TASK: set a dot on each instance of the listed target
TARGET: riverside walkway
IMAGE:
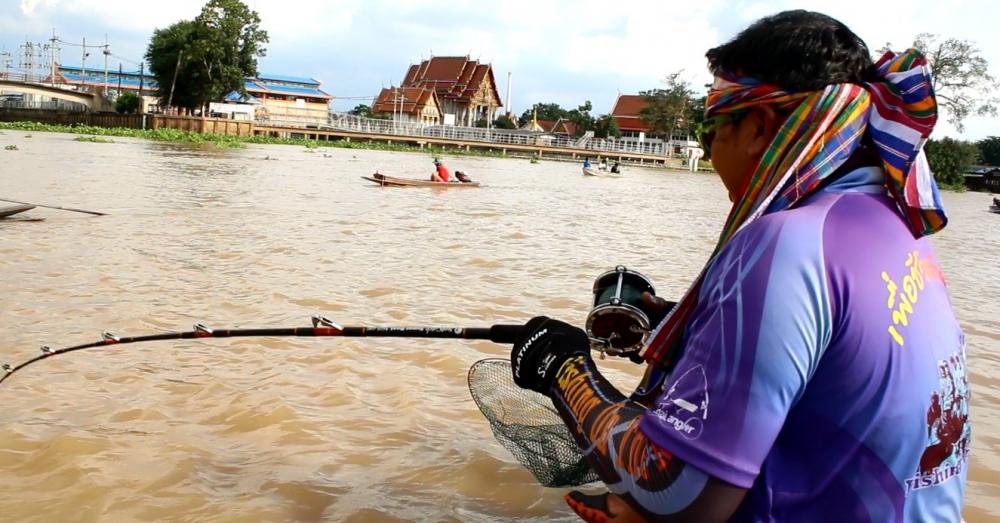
(504, 141)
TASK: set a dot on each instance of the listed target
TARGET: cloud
(558, 50)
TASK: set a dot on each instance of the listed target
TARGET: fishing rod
(95, 213)
(322, 327)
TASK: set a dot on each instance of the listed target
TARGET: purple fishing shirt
(824, 369)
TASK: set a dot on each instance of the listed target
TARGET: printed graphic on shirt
(948, 431)
(902, 299)
(685, 406)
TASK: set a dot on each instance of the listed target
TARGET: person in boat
(615, 168)
(586, 163)
(797, 380)
(462, 177)
(440, 173)
(603, 165)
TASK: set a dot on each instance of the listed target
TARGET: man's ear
(762, 124)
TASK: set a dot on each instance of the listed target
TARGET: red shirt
(443, 173)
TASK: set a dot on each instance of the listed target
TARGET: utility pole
(106, 53)
(173, 81)
(29, 61)
(5, 57)
(54, 49)
(83, 66)
(119, 78)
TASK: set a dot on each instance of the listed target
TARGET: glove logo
(524, 349)
(543, 366)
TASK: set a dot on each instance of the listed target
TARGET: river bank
(226, 141)
(239, 142)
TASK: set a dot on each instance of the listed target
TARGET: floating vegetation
(225, 141)
(93, 139)
(10, 147)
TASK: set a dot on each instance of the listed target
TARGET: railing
(499, 137)
(53, 105)
(24, 77)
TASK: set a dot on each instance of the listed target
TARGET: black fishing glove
(543, 345)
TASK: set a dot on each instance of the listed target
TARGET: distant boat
(590, 171)
(11, 210)
(390, 181)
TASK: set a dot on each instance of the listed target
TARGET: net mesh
(528, 426)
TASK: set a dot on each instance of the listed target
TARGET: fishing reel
(616, 324)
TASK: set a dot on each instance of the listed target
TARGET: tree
(549, 111)
(665, 108)
(165, 57)
(582, 118)
(127, 103)
(211, 55)
(989, 150)
(694, 114)
(962, 81)
(504, 122)
(950, 159)
(361, 110)
(606, 126)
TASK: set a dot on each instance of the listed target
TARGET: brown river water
(302, 429)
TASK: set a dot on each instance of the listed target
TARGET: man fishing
(816, 368)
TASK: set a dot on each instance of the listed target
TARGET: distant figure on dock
(694, 154)
(441, 173)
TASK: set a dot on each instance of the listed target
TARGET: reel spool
(617, 325)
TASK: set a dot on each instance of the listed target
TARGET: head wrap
(897, 113)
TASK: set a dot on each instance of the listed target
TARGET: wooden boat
(390, 181)
(11, 210)
(590, 171)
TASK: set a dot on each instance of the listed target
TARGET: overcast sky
(558, 51)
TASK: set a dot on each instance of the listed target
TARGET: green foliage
(582, 118)
(225, 141)
(950, 159)
(606, 126)
(503, 122)
(127, 103)
(550, 111)
(166, 55)
(361, 110)
(989, 150)
(10, 147)
(665, 109)
(93, 139)
(211, 55)
(694, 114)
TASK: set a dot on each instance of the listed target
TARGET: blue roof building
(281, 98)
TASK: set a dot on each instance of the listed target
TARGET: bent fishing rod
(322, 327)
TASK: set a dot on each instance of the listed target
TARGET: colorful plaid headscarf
(898, 113)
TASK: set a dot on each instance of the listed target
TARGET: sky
(557, 51)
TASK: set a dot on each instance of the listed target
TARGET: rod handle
(497, 334)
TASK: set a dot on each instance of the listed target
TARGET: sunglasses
(705, 133)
